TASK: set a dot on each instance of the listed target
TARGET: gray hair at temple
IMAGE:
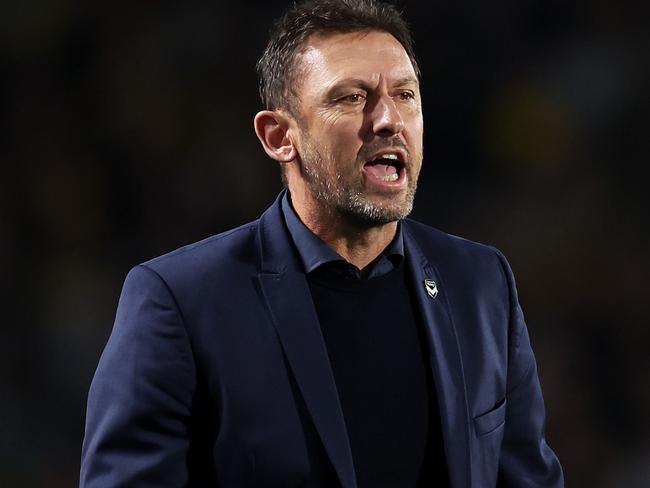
(277, 67)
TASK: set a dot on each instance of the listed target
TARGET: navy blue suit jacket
(216, 373)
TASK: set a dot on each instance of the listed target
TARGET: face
(360, 126)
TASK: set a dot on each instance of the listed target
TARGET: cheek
(330, 119)
(414, 118)
(345, 139)
(334, 127)
(416, 129)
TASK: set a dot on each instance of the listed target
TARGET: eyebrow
(346, 82)
(406, 81)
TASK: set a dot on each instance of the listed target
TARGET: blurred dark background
(126, 131)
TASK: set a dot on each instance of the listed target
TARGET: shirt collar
(314, 252)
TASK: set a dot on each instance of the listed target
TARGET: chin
(371, 213)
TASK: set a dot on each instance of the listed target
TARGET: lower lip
(393, 184)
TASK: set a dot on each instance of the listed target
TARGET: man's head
(340, 84)
(277, 68)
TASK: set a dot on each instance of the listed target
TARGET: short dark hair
(276, 67)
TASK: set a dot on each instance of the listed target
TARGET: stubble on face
(343, 194)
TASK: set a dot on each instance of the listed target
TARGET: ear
(272, 129)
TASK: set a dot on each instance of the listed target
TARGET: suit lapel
(445, 361)
(287, 295)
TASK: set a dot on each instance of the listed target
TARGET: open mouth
(386, 168)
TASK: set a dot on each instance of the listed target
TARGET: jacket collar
(277, 253)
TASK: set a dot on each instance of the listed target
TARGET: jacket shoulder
(233, 248)
(465, 264)
(440, 244)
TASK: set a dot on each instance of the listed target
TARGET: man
(332, 342)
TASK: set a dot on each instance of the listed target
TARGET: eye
(353, 98)
(406, 95)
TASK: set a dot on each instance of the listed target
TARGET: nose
(386, 118)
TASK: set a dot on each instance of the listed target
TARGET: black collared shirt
(316, 254)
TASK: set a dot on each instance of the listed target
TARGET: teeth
(388, 156)
(392, 177)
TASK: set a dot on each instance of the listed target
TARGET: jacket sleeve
(526, 460)
(139, 404)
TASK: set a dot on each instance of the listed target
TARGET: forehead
(369, 55)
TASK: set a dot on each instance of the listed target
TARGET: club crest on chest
(431, 288)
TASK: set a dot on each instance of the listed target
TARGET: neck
(358, 244)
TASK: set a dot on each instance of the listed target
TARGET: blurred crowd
(126, 131)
